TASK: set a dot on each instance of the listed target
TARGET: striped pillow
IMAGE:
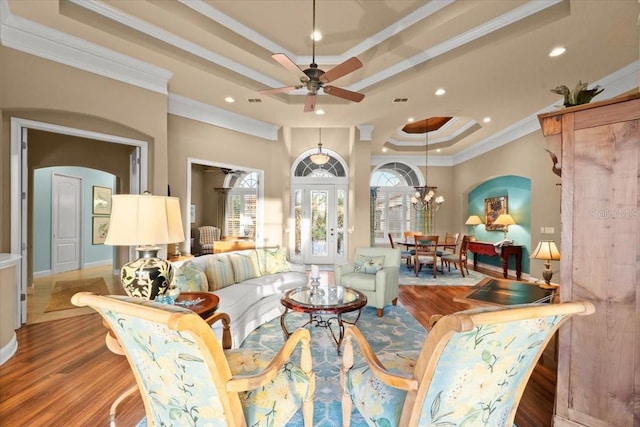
(219, 272)
(244, 267)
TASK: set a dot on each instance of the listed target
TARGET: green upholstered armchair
(375, 272)
(472, 369)
(186, 378)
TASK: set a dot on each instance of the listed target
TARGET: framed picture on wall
(99, 229)
(494, 207)
(101, 200)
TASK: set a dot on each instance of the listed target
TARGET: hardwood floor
(63, 374)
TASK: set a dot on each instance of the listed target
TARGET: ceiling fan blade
(287, 63)
(279, 90)
(344, 93)
(340, 70)
(310, 103)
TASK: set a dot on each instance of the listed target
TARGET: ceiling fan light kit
(314, 78)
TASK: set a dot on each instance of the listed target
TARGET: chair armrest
(226, 331)
(249, 382)
(341, 270)
(392, 379)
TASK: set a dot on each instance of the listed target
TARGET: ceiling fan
(314, 78)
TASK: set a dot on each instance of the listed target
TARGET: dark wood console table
(488, 248)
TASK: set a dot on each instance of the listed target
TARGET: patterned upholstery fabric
(176, 376)
(275, 261)
(368, 264)
(219, 272)
(208, 235)
(475, 380)
(190, 278)
(244, 267)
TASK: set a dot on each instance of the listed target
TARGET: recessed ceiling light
(438, 150)
(486, 119)
(316, 35)
(229, 99)
(384, 149)
(410, 119)
(320, 112)
(440, 92)
(557, 51)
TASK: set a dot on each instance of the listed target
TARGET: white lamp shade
(138, 219)
(504, 219)
(546, 250)
(473, 220)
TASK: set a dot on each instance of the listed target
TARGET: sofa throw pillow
(368, 264)
(244, 267)
(190, 278)
(275, 261)
(219, 272)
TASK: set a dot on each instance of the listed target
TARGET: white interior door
(321, 225)
(66, 216)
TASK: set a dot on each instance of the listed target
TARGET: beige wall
(42, 90)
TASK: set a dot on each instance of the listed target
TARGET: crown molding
(195, 110)
(38, 40)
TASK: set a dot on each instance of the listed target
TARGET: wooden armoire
(595, 149)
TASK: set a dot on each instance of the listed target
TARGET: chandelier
(319, 158)
(425, 201)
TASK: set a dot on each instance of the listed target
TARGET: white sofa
(249, 283)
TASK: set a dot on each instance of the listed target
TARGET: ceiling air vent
(398, 100)
(254, 100)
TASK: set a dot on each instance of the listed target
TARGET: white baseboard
(9, 349)
(42, 273)
(100, 263)
(498, 270)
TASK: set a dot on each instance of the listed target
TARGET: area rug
(63, 290)
(396, 331)
(447, 278)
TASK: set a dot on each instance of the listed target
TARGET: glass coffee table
(320, 300)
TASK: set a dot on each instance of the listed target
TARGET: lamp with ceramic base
(145, 221)
(505, 221)
(547, 251)
(473, 220)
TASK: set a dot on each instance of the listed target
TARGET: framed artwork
(101, 200)
(494, 207)
(99, 229)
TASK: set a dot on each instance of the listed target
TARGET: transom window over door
(318, 211)
(393, 185)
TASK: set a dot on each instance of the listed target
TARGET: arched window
(394, 184)
(241, 205)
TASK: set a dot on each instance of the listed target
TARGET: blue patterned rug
(448, 278)
(397, 330)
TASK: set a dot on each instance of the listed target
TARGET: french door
(319, 233)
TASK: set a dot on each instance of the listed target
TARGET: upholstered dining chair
(186, 378)
(472, 369)
(375, 272)
(457, 259)
(404, 254)
(449, 245)
(426, 253)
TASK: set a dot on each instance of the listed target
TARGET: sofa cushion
(219, 272)
(360, 281)
(368, 264)
(244, 267)
(279, 282)
(237, 299)
(190, 278)
(275, 261)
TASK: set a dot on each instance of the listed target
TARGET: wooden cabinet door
(599, 355)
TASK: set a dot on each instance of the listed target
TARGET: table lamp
(505, 221)
(145, 221)
(546, 250)
(473, 220)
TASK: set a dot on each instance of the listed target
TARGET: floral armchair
(472, 369)
(186, 378)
